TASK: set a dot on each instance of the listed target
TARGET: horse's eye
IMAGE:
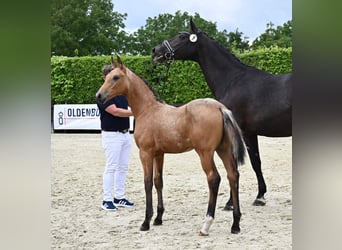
(115, 78)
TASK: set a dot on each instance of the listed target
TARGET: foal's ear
(193, 27)
(120, 63)
(119, 60)
(115, 64)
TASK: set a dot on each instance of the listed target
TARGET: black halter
(170, 53)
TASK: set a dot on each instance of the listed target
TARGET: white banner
(78, 117)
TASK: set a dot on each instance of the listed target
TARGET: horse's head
(115, 82)
(180, 47)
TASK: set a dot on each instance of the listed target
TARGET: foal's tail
(235, 136)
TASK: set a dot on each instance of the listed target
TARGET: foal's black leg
(213, 179)
(233, 178)
(148, 181)
(229, 204)
(149, 209)
(213, 183)
(158, 183)
(234, 185)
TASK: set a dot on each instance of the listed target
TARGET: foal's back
(168, 129)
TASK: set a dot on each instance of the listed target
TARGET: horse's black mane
(225, 49)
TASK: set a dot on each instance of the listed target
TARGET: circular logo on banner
(193, 38)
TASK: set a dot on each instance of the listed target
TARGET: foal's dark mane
(149, 86)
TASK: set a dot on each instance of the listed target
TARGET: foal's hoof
(157, 222)
(202, 234)
(259, 202)
(235, 230)
(228, 207)
(145, 227)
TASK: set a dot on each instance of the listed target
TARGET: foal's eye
(115, 78)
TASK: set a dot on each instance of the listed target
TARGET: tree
(236, 42)
(86, 27)
(280, 36)
(156, 30)
(165, 26)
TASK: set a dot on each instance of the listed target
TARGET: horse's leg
(253, 152)
(158, 183)
(233, 178)
(147, 162)
(213, 178)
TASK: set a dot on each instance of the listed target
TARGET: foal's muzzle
(101, 98)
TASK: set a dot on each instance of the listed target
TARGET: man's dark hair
(106, 69)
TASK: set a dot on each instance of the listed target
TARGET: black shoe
(108, 206)
(123, 203)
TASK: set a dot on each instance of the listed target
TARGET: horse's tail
(234, 133)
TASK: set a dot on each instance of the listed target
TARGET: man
(116, 141)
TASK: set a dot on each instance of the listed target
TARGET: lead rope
(164, 75)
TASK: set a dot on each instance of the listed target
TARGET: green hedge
(75, 80)
(274, 60)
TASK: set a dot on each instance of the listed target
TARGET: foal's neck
(140, 97)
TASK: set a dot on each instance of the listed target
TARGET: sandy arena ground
(77, 221)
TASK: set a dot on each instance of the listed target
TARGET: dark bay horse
(204, 125)
(261, 102)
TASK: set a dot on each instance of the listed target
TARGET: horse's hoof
(235, 230)
(259, 202)
(157, 222)
(145, 227)
(202, 234)
(228, 207)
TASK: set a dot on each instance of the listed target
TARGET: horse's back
(276, 114)
(262, 104)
